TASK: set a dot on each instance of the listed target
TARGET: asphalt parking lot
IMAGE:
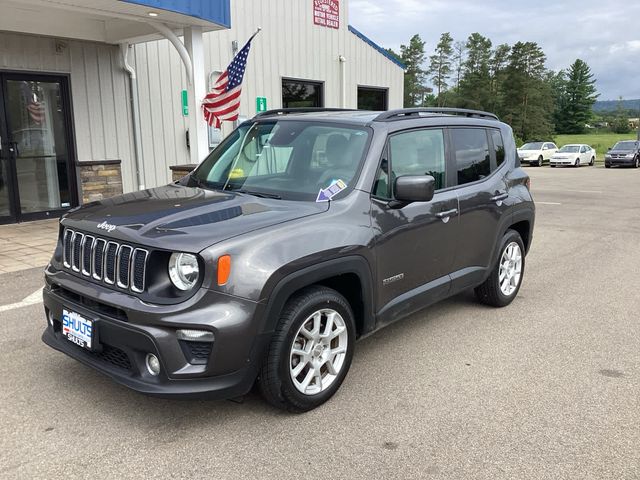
(547, 388)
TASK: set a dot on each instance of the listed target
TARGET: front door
(415, 245)
(36, 158)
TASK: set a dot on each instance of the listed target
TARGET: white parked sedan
(574, 155)
(536, 153)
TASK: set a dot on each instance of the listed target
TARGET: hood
(180, 218)
(622, 152)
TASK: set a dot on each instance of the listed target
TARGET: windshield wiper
(259, 194)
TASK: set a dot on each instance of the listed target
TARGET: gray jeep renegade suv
(302, 232)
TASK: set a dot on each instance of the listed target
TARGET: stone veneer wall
(99, 179)
(179, 171)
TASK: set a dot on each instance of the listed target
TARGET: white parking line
(548, 203)
(34, 298)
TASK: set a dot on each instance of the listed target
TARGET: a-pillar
(198, 135)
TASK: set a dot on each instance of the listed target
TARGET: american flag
(223, 102)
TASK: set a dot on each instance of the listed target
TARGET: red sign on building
(326, 13)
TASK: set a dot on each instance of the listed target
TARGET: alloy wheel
(510, 269)
(318, 351)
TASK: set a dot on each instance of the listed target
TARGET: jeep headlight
(184, 270)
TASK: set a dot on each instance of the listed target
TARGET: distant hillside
(611, 105)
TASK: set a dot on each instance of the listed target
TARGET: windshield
(285, 159)
(570, 149)
(532, 146)
(629, 145)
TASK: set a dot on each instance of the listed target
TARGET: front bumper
(619, 162)
(126, 330)
(562, 162)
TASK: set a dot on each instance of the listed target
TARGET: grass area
(600, 141)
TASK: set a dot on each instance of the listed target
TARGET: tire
(491, 292)
(607, 166)
(577, 164)
(540, 161)
(311, 307)
(552, 166)
(637, 162)
(592, 162)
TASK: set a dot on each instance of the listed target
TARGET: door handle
(447, 213)
(500, 197)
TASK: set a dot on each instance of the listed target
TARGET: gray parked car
(623, 154)
(299, 234)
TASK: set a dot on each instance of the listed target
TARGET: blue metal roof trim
(214, 11)
(366, 39)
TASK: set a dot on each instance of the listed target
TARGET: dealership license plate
(77, 329)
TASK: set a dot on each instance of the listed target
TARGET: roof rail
(287, 111)
(405, 112)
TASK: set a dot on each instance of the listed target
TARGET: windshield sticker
(328, 193)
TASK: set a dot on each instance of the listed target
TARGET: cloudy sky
(604, 33)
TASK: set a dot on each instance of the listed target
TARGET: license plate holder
(78, 329)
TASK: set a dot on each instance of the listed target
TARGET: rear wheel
(503, 284)
(592, 162)
(310, 352)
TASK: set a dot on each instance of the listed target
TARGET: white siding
(99, 93)
(290, 45)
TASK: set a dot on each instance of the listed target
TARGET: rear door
(479, 158)
(415, 245)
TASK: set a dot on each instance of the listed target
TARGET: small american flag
(223, 102)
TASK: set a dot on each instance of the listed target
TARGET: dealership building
(102, 97)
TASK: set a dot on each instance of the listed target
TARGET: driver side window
(418, 152)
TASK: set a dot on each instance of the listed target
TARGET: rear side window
(498, 145)
(471, 150)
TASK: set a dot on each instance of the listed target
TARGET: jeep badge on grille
(106, 226)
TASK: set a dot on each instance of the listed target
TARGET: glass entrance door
(36, 151)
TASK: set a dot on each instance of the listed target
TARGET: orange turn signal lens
(224, 269)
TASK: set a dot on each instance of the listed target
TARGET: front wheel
(637, 162)
(503, 284)
(310, 352)
(577, 164)
(540, 161)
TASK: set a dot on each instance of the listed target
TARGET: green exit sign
(261, 104)
(185, 104)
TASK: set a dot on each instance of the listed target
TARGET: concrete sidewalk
(27, 245)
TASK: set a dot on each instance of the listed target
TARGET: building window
(302, 94)
(372, 98)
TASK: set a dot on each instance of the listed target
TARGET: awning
(111, 21)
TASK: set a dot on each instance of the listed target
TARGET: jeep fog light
(195, 335)
(183, 270)
(153, 364)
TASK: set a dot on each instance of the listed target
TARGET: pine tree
(413, 56)
(575, 110)
(475, 85)
(497, 67)
(440, 66)
(528, 102)
(459, 53)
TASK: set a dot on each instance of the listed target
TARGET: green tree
(413, 56)
(557, 82)
(528, 101)
(459, 53)
(440, 66)
(620, 122)
(497, 67)
(575, 109)
(475, 84)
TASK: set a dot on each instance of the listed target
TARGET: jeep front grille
(113, 263)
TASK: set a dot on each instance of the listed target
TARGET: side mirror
(413, 188)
